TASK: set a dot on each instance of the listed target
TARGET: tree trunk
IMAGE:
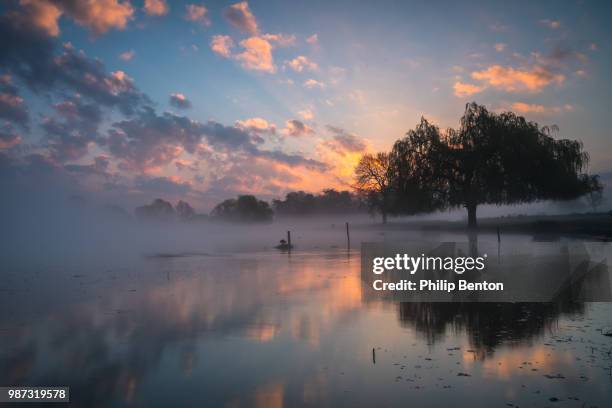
(471, 209)
(384, 217)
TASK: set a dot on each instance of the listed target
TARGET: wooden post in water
(498, 246)
(348, 236)
(373, 356)
(289, 239)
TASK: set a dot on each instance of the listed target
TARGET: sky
(125, 101)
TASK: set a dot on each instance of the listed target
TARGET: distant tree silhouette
(330, 201)
(295, 203)
(491, 159)
(159, 210)
(185, 211)
(246, 208)
(374, 178)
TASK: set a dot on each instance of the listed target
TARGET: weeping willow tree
(490, 159)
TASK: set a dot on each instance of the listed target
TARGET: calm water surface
(269, 329)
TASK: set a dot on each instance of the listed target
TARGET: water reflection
(486, 325)
(269, 330)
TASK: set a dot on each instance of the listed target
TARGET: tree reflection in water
(486, 325)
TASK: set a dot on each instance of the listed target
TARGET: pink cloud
(257, 55)
(99, 16)
(301, 63)
(179, 100)
(306, 114)
(222, 45)
(43, 15)
(515, 80)
(313, 39)
(197, 14)
(523, 107)
(259, 124)
(462, 89)
(281, 40)
(313, 83)
(156, 7)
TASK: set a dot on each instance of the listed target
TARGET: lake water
(271, 329)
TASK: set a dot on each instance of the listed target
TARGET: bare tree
(373, 178)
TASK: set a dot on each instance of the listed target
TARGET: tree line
(492, 158)
(248, 208)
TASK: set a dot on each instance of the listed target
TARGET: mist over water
(271, 329)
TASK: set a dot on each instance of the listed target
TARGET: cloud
(178, 100)
(222, 45)
(281, 40)
(256, 51)
(186, 165)
(12, 106)
(536, 108)
(98, 16)
(258, 128)
(32, 57)
(257, 55)
(149, 141)
(301, 63)
(344, 142)
(462, 89)
(552, 24)
(257, 125)
(313, 39)
(99, 167)
(559, 58)
(306, 114)
(162, 185)
(269, 175)
(197, 14)
(240, 16)
(342, 153)
(291, 159)
(500, 47)
(8, 138)
(313, 83)
(127, 55)
(515, 80)
(140, 140)
(42, 15)
(155, 7)
(297, 128)
(73, 129)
